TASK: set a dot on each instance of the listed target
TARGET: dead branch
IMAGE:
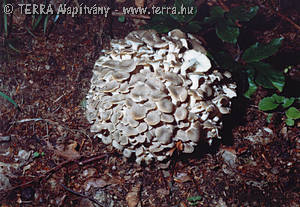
(221, 3)
(287, 19)
(81, 195)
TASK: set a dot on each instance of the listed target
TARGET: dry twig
(81, 195)
(221, 3)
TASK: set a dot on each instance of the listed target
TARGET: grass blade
(28, 30)
(46, 23)
(37, 22)
(5, 20)
(9, 99)
(13, 48)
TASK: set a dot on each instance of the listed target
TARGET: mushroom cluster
(150, 93)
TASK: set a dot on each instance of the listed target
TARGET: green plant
(193, 201)
(280, 102)
(7, 41)
(41, 18)
(227, 23)
(5, 19)
(9, 99)
(251, 64)
(121, 19)
(163, 23)
(37, 154)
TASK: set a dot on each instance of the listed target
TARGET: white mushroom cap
(138, 112)
(230, 93)
(197, 46)
(168, 118)
(153, 118)
(121, 66)
(188, 148)
(177, 34)
(123, 140)
(116, 145)
(198, 60)
(164, 134)
(165, 105)
(180, 113)
(178, 93)
(105, 139)
(193, 133)
(127, 152)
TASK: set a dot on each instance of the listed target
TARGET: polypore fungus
(151, 93)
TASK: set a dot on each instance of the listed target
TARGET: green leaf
(269, 117)
(185, 10)
(243, 14)
(252, 88)
(216, 14)
(293, 113)
(251, 83)
(288, 102)
(259, 51)
(9, 99)
(227, 32)
(216, 11)
(194, 198)
(267, 104)
(267, 77)
(278, 99)
(192, 27)
(36, 154)
(290, 122)
(121, 19)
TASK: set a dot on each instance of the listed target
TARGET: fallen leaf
(96, 183)
(102, 182)
(133, 197)
(242, 150)
(70, 152)
(182, 178)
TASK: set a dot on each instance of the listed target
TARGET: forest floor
(48, 156)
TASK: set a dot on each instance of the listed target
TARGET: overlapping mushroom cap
(150, 92)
